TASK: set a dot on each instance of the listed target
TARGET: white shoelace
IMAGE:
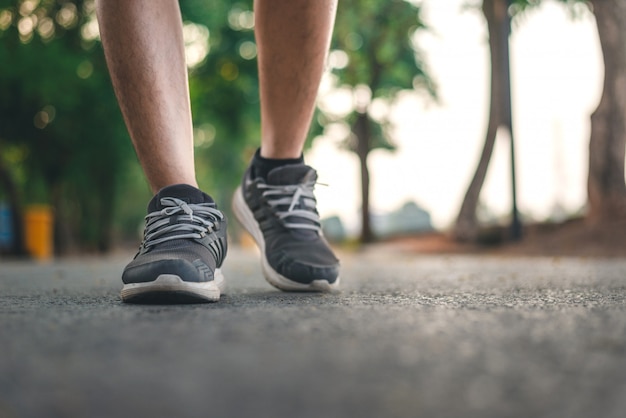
(294, 195)
(202, 219)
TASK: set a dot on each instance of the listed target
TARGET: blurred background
(440, 125)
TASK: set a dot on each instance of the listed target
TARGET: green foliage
(59, 111)
(224, 93)
(224, 96)
(61, 133)
(376, 39)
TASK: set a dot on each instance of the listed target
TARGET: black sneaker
(280, 213)
(183, 248)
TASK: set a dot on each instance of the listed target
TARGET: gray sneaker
(183, 248)
(280, 213)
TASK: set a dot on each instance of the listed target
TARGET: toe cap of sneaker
(306, 273)
(188, 271)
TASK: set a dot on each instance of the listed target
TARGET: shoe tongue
(184, 192)
(291, 174)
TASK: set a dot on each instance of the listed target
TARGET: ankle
(261, 166)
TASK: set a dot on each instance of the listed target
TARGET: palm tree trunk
(466, 227)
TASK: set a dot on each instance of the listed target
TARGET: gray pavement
(408, 336)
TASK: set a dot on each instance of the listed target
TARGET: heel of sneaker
(246, 218)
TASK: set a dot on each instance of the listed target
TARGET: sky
(556, 70)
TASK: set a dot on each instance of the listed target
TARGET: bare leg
(293, 38)
(143, 44)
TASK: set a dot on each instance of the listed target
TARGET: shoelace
(290, 194)
(202, 219)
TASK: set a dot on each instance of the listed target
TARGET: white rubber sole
(169, 288)
(245, 216)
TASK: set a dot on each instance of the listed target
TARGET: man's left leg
(275, 202)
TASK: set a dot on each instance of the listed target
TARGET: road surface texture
(409, 336)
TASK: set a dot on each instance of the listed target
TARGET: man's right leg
(144, 48)
(185, 238)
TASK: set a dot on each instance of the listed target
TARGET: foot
(280, 213)
(183, 248)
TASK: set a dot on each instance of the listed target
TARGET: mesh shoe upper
(284, 207)
(185, 235)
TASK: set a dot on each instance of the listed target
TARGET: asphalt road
(408, 336)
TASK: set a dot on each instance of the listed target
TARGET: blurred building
(409, 219)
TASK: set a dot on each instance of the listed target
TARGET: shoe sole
(246, 218)
(171, 289)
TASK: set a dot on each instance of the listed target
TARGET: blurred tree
(607, 145)
(224, 94)
(374, 56)
(60, 128)
(497, 15)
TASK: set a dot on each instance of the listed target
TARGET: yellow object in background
(38, 231)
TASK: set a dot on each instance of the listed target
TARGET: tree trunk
(361, 130)
(466, 227)
(607, 145)
(64, 241)
(105, 219)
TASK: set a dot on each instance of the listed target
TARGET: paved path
(407, 337)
